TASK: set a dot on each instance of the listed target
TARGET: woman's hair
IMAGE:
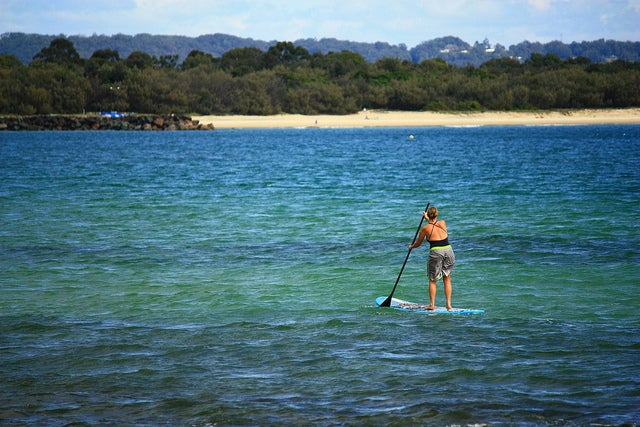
(432, 212)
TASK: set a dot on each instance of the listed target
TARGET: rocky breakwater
(99, 122)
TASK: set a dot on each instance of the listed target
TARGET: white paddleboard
(399, 304)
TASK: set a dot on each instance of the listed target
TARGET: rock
(96, 122)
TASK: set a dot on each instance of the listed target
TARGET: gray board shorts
(441, 261)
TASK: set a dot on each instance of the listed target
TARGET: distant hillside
(25, 46)
(451, 49)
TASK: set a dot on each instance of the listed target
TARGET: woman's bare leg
(447, 290)
(432, 295)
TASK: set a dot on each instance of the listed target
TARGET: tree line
(453, 50)
(288, 79)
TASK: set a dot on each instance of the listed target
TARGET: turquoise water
(230, 277)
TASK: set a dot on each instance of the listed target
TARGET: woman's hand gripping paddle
(387, 302)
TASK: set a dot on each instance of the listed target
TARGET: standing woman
(441, 257)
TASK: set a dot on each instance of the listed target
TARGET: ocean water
(229, 277)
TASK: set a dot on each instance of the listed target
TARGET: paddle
(387, 302)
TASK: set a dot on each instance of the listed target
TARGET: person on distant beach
(441, 256)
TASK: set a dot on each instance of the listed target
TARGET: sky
(506, 22)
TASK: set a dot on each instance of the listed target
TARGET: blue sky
(395, 21)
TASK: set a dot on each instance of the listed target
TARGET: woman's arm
(423, 233)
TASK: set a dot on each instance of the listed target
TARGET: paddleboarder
(441, 256)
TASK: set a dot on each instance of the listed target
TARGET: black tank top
(438, 243)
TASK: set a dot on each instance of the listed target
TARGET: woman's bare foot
(449, 308)
(429, 307)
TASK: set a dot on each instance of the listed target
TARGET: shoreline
(378, 118)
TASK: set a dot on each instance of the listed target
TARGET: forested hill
(289, 79)
(451, 49)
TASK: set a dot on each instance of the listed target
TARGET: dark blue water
(229, 277)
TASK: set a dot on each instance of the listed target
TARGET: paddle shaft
(387, 302)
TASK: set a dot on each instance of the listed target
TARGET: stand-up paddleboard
(399, 304)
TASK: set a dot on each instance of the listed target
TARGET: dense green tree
(208, 90)
(140, 96)
(197, 58)
(67, 89)
(407, 95)
(501, 66)
(13, 86)
(139, 60)
(285, 53)
(343, 64)
(106, 55)
(251, 95)
(166, 61)
(286, 78)
(242, 61)
(549, 60)
(60, 51)
(10, 61)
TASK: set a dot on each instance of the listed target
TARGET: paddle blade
(387, 302)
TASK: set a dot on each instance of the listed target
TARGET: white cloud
(540, 4)
(604, 18)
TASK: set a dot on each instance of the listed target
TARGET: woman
(441, 256)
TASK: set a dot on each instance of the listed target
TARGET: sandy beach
(374, 118)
